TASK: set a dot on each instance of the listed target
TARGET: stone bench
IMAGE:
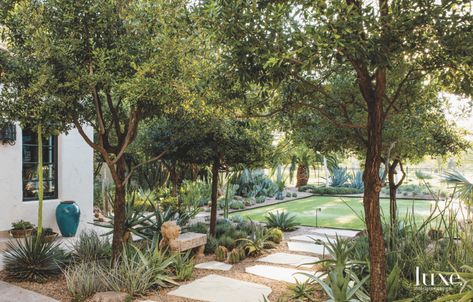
(188, 241)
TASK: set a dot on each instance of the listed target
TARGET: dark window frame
(54, 163)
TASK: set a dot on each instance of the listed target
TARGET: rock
(111, 297)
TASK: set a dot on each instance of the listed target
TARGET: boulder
(111, 297)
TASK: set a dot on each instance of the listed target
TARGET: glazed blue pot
(67, 218)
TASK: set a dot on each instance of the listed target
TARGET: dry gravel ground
(57, 289)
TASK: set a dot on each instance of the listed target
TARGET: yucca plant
(281, 220)
(33, 259)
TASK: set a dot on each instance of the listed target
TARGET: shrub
(237, 219)
(288, 194)
(226, 241)
(281, 220)
(275, 235)
(198, 227)
(249, 201)
(33, 259)
(83, 280)
(223, 226)
(183, 267)
(211, 245)
(260, 199)
(236, 205)
(329, 190)
(90, 247)
(294, 194)
(221, 253)
(22, 225)
(234, 256)
(169, 202)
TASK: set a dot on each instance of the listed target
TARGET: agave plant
(33, 259)
(339, 177)
(281, 220)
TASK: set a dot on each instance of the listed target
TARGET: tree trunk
(393, 186)
(119, 230)
(371, 201)
(302, 175)
(213, 210)
(174, 180)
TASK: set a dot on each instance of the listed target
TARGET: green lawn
(335, 211)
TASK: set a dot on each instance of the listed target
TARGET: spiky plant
(275, 235)
(221, 253)
(91, 247)
(463, 187)
(282, 220)
(303, 291)
(33, 259)
(234, 256)
(257, 242)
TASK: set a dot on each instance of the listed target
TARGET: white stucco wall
(75, 182)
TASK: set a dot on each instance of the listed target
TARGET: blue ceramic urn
(67, 218)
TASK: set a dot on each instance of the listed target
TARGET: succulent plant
(221, 253)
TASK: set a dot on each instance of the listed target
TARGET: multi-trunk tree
(294, 47)
(213, 140)
(105, 64)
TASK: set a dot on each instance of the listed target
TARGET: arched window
(30, 166)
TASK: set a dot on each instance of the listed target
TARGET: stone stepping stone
(214, 265)
(311, 238)
(306, 247)
(290, 259)
(215, 288)
(278, 273)
(11, 293)
(334, 232)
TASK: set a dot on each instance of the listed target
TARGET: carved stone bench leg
(199, 253)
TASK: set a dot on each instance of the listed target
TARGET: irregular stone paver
(214, 265)
(278, 273)
(12, 293)
(335, 232)
(306, 247)
(290, 259)
(311, 238)
(215, 288)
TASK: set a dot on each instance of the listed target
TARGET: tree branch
(132, 170)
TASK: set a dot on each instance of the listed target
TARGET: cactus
(221, 253)
(234, 256)
(242, 253)
(275, 235)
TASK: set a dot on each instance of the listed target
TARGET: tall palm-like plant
(302, 159)
(463, 187)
